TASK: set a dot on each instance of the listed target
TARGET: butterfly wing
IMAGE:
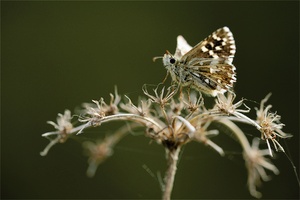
(220, 44)
(182, 47)
(207, 66)
(210, 62)
(212, 75)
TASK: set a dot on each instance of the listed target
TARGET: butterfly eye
(172, 60)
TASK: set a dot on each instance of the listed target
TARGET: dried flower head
(97, 153)
(270, 125)
(224, 104)
(256, 164)
(63, 128)
(162, 97)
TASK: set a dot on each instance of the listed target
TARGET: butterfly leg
(180, 92)
(188, 93)
(165, 78)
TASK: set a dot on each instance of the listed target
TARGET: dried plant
(173, 119)
(174, 116)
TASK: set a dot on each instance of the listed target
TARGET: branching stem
(171, 172)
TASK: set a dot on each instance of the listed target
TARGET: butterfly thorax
(177, 70)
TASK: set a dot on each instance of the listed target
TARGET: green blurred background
(56, 55)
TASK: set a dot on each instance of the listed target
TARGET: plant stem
(171, 171)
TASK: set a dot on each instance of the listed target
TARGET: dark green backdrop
(56, 55)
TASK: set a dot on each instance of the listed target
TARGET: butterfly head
(169, 59)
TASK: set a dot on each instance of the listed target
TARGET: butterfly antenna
(157, 57)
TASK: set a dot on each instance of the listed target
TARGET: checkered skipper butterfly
(207, 66)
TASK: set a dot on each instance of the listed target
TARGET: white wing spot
(211, 52)
(226, 29)
(214, 36)
(229, 34)
(218, 48)
(204, 49)
(232, 51)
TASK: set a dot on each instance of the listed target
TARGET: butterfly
(207, 67)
